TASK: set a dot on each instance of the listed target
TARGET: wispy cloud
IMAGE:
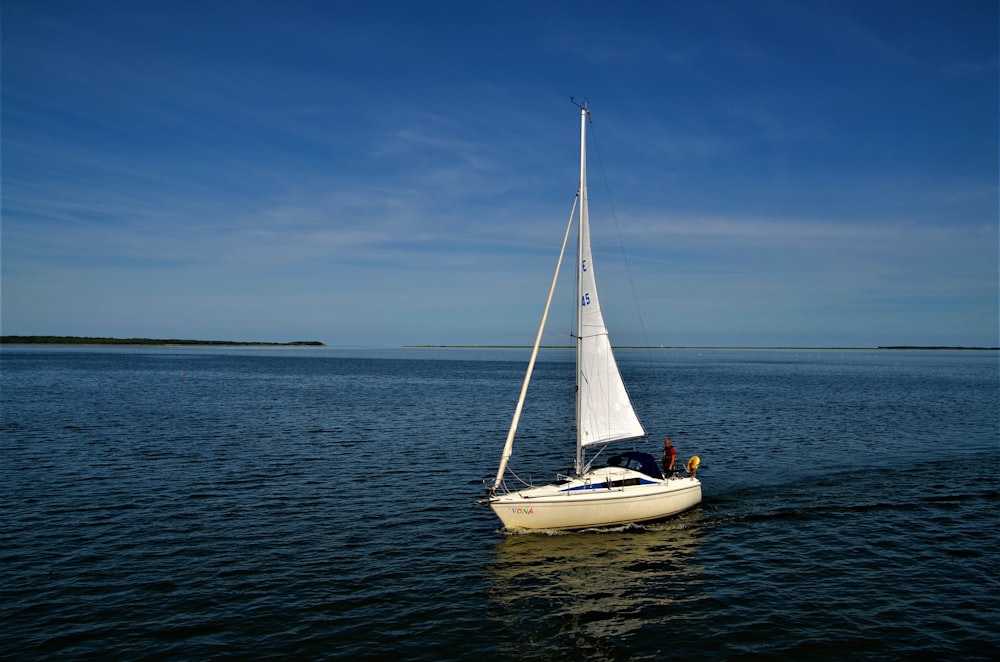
(334, 170)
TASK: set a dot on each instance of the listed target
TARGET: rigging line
(621, 242)
(509, 443)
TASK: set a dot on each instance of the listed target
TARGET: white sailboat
(630, 488)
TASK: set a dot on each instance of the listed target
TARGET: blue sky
(387, 173)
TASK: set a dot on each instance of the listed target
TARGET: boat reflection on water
(592, 592)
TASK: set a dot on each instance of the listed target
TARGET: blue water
(188, 503)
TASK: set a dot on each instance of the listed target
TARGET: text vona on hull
(522, 511)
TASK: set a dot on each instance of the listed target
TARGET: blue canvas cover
(642, 462)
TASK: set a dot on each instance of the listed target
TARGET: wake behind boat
(631, 487)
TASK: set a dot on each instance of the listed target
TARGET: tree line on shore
(80, 340)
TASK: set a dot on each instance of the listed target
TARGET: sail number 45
(585, 299)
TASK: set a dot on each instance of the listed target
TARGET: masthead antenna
(585, 106)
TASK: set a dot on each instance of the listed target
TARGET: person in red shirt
(669, 458)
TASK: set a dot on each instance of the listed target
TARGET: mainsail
(604, 409)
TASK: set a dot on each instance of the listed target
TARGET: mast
(604, 411)
(584, 220)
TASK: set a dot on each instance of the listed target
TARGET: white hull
(604, 497)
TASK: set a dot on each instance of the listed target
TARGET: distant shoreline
(170, 342)
(920, 347)
(79, 340)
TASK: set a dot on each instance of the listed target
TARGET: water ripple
(207, 505)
